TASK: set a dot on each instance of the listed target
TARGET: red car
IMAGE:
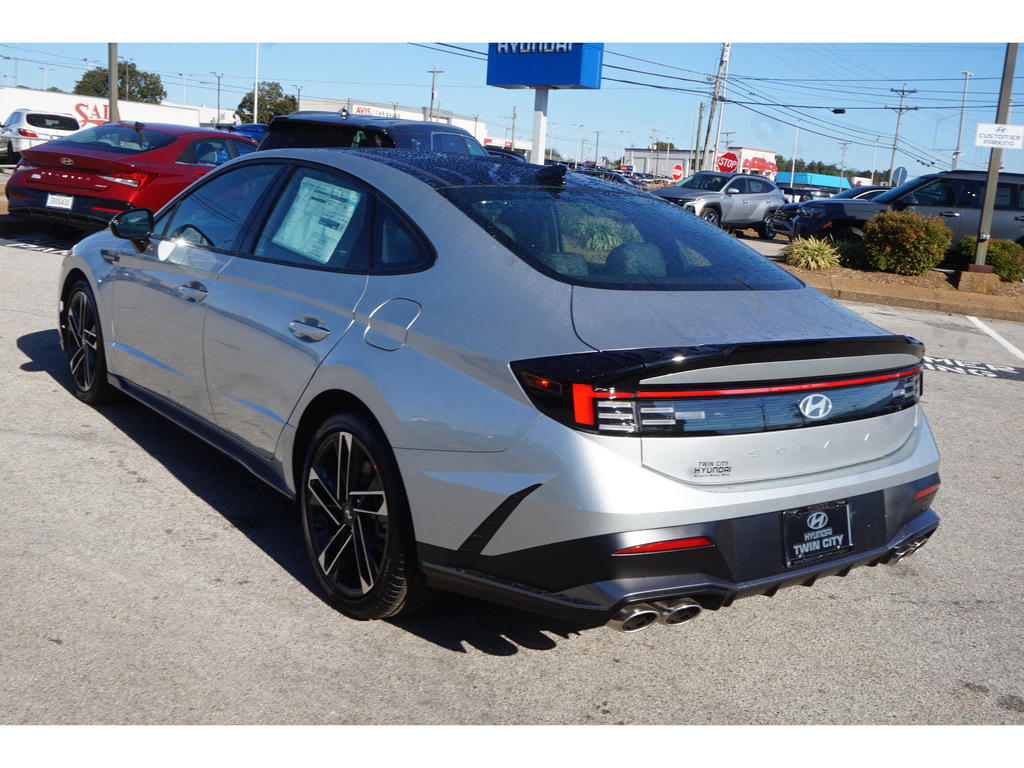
(85, 178)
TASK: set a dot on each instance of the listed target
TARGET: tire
(766, 230)
(848, 235)
(9, 157)
(83, 346)
(710, 215)
(356, 521)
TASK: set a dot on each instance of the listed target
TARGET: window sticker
(317, 219)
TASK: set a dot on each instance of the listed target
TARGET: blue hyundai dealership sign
(544, 65)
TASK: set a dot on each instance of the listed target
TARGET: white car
(25, 129)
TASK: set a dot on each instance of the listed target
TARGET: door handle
(949, 214)
(110, 257)
(194, 292)
(309, 328)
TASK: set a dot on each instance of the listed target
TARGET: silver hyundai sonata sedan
(519, 383)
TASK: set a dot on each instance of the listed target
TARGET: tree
(273, 102)
(132, 84)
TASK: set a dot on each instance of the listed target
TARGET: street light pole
(963, 107)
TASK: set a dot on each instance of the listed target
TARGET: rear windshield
(55, 122)
(313, 136)
(115, 137)
(606, 239)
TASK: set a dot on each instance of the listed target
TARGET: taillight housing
(618, 393)
(28, 134)
(136, 179)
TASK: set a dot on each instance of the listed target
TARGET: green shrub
(1004, 256)
(808, 253)
(853, 255)
(906, 242)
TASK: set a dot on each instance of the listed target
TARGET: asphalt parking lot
(145, 579)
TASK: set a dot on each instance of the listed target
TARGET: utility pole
(903, 94)
(513, 129)
(715, 96)
(995, 160)
(218, 100)
(597, 143)
(433, 95)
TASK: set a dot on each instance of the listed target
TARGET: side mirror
(135, 225)
(732, 191)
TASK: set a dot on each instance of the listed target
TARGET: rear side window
(614, 240)
(319, 220)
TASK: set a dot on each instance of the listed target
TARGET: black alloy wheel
(357, 524)
(83, 346)
(767, 229)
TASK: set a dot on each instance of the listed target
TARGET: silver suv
(728, 200)
(954, 196)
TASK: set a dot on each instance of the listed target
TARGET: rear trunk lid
(741, 386)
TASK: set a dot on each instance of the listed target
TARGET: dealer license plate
(818, 531)
(60, 201)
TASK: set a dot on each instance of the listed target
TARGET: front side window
(212, 215)
(713, 182)
(616, 240)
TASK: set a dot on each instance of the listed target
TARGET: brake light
(926, 492)
(667, 546)
(27, 134)
(135, 179)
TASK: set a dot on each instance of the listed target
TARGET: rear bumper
(85, 213)
(583, 582)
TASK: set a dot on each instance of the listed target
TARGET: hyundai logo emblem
(67, 161)
(815, 406)
(817, 520)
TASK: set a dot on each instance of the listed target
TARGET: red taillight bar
(667, 546)
(927, 491)
(584, 395)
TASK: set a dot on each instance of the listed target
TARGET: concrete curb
(951, 302)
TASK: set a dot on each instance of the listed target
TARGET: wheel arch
(321, 407)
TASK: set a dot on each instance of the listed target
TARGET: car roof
(441, 169)
(386, 124)
(172, 128)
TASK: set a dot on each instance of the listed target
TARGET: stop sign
(677, 172)
(727, 163)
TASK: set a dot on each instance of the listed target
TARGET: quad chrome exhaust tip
(671, 613)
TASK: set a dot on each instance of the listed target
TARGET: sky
(654, 78)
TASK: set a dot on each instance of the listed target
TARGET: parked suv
(301, 130)
(728, 200)
(25, 129)
(954, 196)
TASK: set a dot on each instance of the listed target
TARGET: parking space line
(996, 336)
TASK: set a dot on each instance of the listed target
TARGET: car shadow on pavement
(272, 522)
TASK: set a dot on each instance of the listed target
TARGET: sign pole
(995, 161)
(540, 123)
